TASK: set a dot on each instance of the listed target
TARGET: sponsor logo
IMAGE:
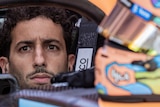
(141, 12)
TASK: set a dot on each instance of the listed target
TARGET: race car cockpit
(120, 67)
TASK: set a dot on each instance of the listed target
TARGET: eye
(24, 49)
(53, 47)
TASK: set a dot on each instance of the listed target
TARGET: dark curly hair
(65, 17)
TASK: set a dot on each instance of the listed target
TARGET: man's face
(38, 52)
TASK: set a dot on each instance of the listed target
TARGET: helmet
(134, 24)
(127, 66)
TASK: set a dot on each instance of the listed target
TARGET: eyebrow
(51, 40)
(45, 41)
(24, 42)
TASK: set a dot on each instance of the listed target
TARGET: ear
(4, 64)
(71, 61)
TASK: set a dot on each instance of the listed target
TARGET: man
(36, 44)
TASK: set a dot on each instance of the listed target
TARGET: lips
(41, 78)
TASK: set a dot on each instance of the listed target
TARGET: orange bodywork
(117, 104)
(107, 6)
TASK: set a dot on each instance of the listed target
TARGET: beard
(23, 76)
(23, 81)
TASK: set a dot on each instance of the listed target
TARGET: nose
(39, 57)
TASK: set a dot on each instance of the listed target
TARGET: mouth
(41, 78)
